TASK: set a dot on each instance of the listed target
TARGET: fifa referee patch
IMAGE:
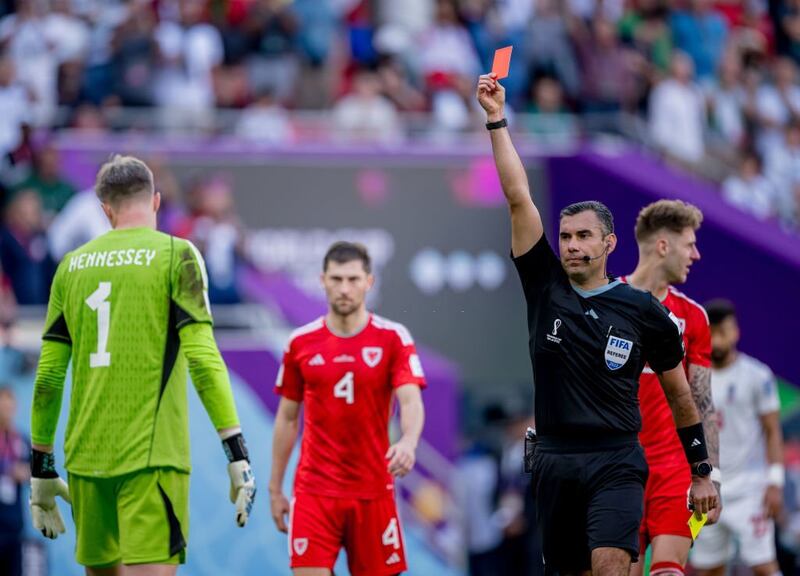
(618, 350)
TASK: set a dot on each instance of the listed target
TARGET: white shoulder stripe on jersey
(307, 328)
(680, 294)
(402, 331)
(279, 378)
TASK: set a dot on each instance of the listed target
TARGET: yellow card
(696, 525)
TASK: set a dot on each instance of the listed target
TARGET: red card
(502, 60)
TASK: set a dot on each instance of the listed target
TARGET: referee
(590, 338)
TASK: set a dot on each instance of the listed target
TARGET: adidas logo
(393, 559)
(592, 313)
(343, 358)
(696, 442)
(317, 360)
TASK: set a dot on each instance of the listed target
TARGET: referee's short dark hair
(343, 252)
(672, 215)
(602, 211)
(718, 310)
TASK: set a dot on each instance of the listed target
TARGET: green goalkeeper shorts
(138, 518)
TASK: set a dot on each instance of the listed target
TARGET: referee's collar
(596, 291)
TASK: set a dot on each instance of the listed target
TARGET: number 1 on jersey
(345, 388)
(98, 301)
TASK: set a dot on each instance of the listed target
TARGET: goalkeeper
(130, 309)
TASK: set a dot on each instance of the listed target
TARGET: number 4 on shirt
(345, 388)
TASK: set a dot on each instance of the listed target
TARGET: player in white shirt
(750, 454)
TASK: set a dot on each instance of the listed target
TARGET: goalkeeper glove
(243, 482)
(45, 486)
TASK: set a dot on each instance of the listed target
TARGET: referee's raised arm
(526, 222)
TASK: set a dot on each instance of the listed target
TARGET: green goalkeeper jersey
(120, 301)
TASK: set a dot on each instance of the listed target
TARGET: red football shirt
(661, 444)
(346, 384)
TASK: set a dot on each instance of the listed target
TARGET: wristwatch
(702, 469)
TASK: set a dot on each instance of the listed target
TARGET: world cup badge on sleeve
(618, 350)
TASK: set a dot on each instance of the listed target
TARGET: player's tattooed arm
(679, 397)
(700, 384)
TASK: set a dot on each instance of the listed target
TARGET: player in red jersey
(346, 367)
(665, 233)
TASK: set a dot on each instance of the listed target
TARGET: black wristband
(235, 448)
(694, 442)
(495, 125)
(43, 465)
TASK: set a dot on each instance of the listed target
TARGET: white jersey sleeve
(766, 389)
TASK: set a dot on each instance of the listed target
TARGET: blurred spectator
(316, 37)
(15, 104)
(133, 59)
(751, 33)
(782, 167)
(548, 45)
(317, 40)
(46, 180)
(700, 32)
(366, 114)
(750, 190)
(606, 67)
(265, 121)
(106, 17)
(412, 15)
(677, 113)
(647, 30)
(81, 220)
(216, 231)
(790, 26)
(777, 104)
(67, 35)
(22, 34)
(449, 65)
(272, 27)
(397, 87)
(14, 473)
(190, 51)
(23, 248)
(548, 117)
(726, 100)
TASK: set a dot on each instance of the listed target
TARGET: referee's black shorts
(587, 500)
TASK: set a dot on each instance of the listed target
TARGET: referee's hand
(703, 495)
(491, 96)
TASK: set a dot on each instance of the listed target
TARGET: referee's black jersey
(589, 348)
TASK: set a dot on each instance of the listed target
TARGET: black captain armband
(235, 448)
(694, 442)
(43, 464)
